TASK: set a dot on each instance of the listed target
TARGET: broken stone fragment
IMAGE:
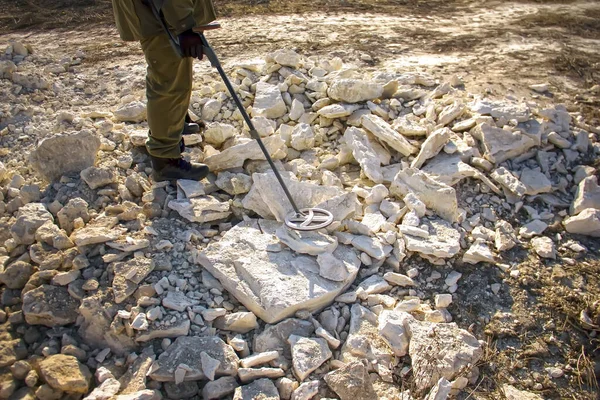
(235, 156)
(175, 329)
(188, 350)
(311, 243)
(131, 112)
(269, 280)
(446, 352)
(331, 268)
(201, 209)
(544, 247)
(66, 374)
(450, 113)
(354, 90)
(535, 182)
(436, 196)
(97, 177)
(240, 322)
(268, 101)
(391, 329)
(268, 200)
(128, 275)
(16, 275)
(431, 146)
(249, 374)
(178, 301)
(209, 365)
(512, 393)
(308, 354)
(338, 110)
(383, 131)
(306, 391)
(508, 181)
(398, 279)
(29, 218)
(94, 234)
(219, 388)
(303, 137)
(363, 152)
(501, 145)
(479, 252)
(586, 222)
(364, 341)
(191, 188)
(352, 382)
(443, 240)
(217, 133)
(233, 184)
(60, 155)
(50, 306)
(587, 195)
(258, 359)
(260, 389)
(275, 337)
(408, 127)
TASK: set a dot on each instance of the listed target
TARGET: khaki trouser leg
(168, 89)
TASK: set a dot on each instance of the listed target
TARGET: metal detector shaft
(212, 57)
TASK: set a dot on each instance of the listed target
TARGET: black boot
(190, 127)
(168, 169)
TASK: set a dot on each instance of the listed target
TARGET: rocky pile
(117, 287)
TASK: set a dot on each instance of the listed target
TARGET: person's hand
(191, 44)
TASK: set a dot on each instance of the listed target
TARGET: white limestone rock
(479, 252)
(128, 275)
(303, 137)
(308, 354)
(201, 209)
(586, 222)
(364, 341)
(331, 268)
(450, 113)
(131, 112)
(512, 393)
(239, 322)
(431, 146)
(210, 109)
(268, 279)
(191, 188)
(391, 329)
(363, 152)
(337, 110)
(98, 177)
(535, 182)
(311, 242)
(587, 195)
(440, 350)
(409, 127)
(268, 101)
(65, 154)
(297, 110)
(501, 145)
(354, 90)
(30, 218)
(399, 279)
(260, 389)
(443, 240)
(217, 133)
(235, 156)
(264, 126)
(268, 200)
(544, 247)
(383, 131)
(287, 58)
(233, 183)
(510, 182)
(436, 196)
(50, 306)
(188, 350)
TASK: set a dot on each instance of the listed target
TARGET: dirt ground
(498, 48)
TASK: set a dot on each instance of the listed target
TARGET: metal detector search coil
(309, 219)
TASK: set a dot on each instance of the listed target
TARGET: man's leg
(168, 90)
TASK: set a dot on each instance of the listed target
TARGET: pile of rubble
(114, 286)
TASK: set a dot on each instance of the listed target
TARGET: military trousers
(168, 90)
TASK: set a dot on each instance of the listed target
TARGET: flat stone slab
(65, 154)
(235, 156)
(50, 306)
(187, 350)
(270, 280)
